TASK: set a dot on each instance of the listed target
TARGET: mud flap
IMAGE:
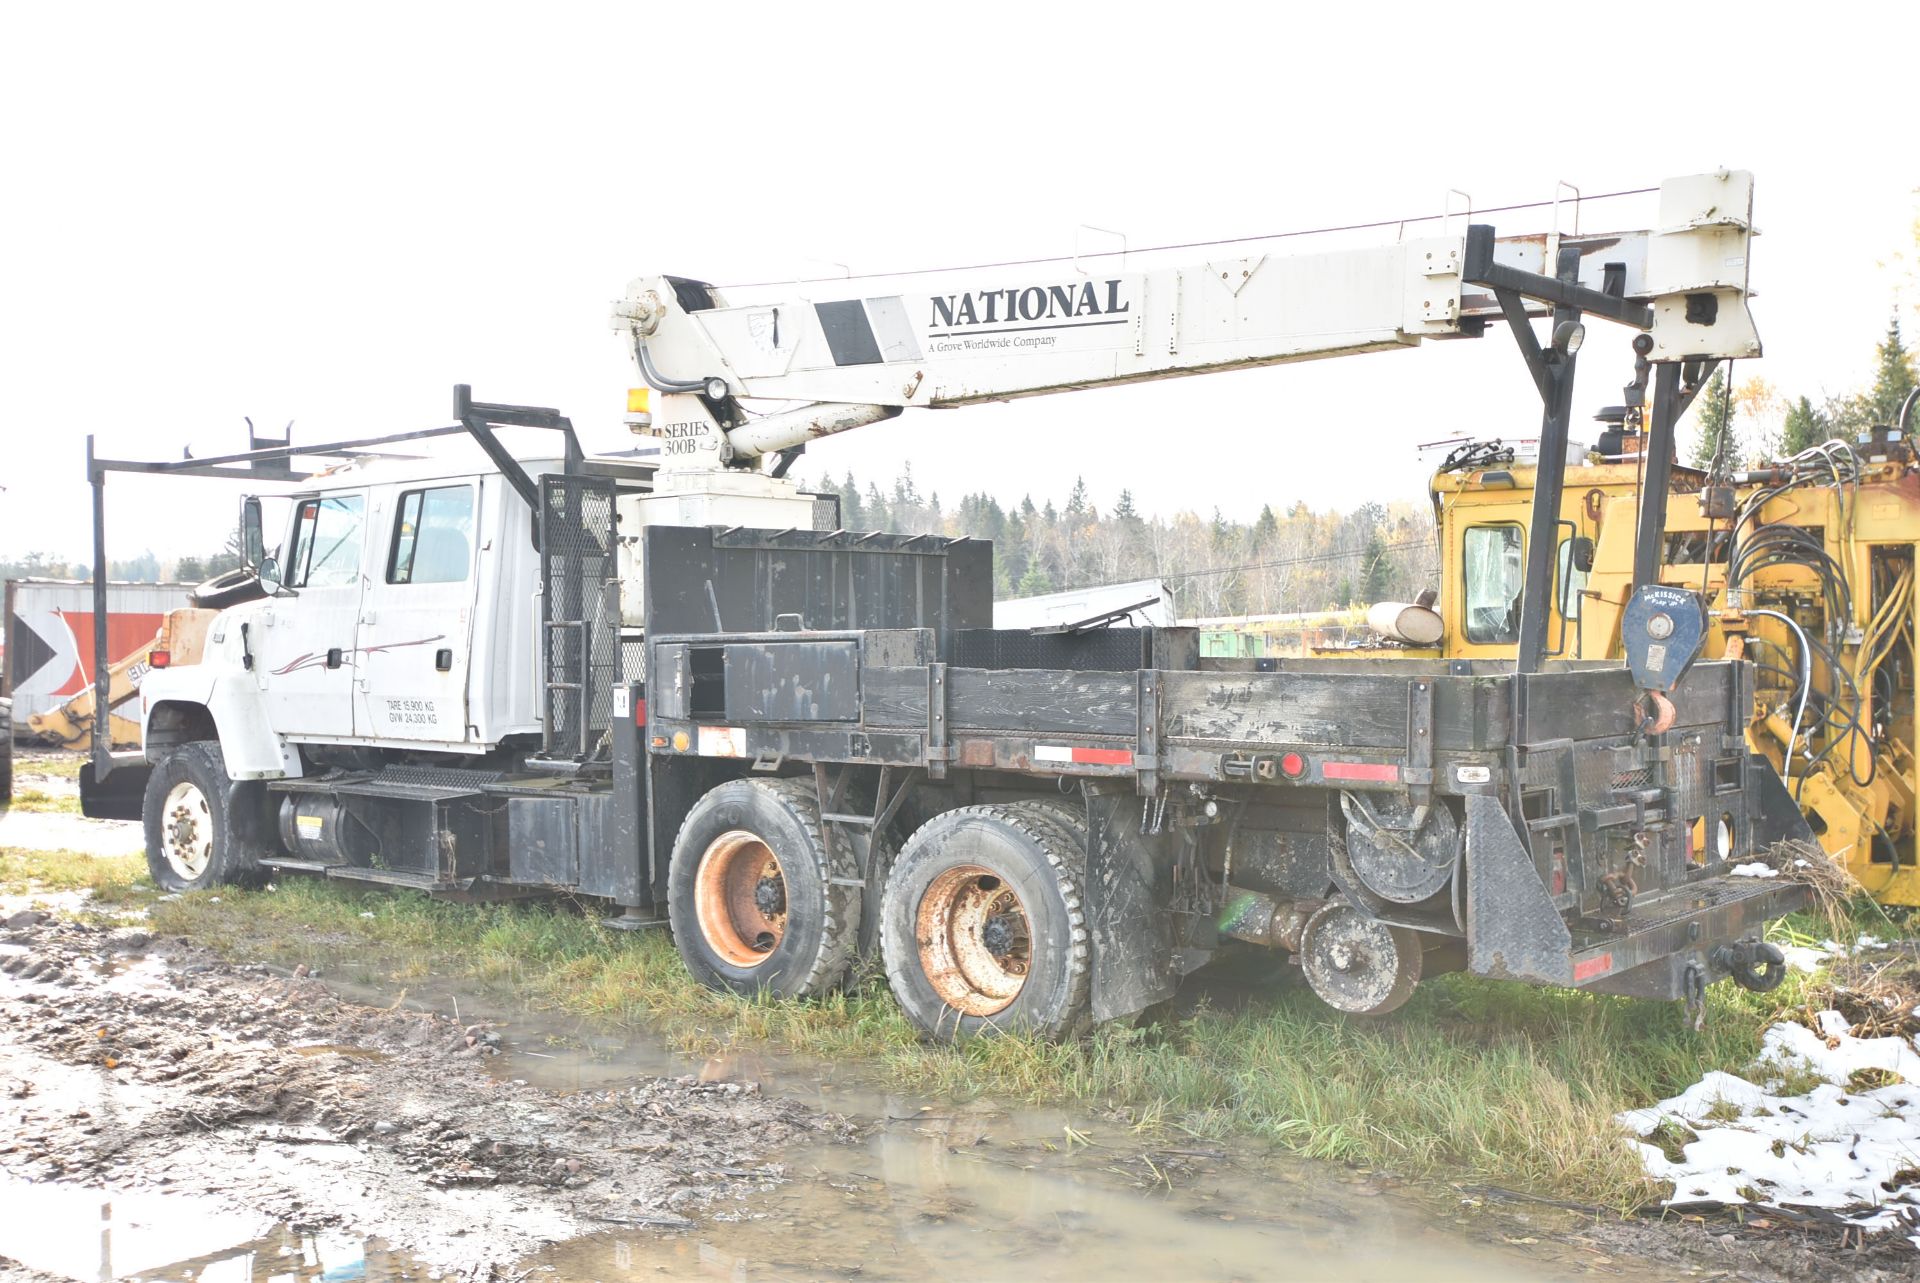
(1513, 930)
(118, 797)
(1127, 919)
(1772, 814)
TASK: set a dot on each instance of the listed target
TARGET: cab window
(1572, 581)
(432, 537)
(1495, 572)
(326, 542)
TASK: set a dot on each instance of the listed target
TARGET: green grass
(29, 799)
(1478, 1080)
(60, 765)
(113, 879)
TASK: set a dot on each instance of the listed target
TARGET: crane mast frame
(939, 340)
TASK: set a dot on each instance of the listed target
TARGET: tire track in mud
(134, 1063)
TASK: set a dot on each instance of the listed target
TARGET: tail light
(159, 658)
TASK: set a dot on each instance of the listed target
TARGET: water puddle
(78, 1233)
(964, 1192)
(967, 1197)
(135, 974)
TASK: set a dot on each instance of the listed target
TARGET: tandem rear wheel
(981, 922)
(983, 925)
(756, 903)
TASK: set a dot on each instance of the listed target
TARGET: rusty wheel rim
(740, 898)
(976, 942)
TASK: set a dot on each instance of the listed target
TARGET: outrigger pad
(1513, 930)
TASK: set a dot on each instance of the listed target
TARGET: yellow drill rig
(1807, 565)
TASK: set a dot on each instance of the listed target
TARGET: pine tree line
(1766, 425)
(1301, 560)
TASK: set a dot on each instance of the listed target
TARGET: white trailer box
(1151, 601)
(49, 635)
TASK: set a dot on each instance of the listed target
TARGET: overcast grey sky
(332, 214)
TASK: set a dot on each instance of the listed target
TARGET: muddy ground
(148, 1065)
(150, 1068)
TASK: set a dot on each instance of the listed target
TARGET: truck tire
(193, 840)
(983, 926)
(6, 753)
(756, 905)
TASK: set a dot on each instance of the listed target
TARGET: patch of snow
(1802, 958)
(1857, 1152)
(1861, 944)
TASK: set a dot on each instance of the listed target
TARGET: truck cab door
(302, 643)
(416, 619)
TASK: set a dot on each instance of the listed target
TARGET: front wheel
(192, 840)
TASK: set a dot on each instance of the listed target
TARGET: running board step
(393, 877)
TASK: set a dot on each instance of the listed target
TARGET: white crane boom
(952, 338)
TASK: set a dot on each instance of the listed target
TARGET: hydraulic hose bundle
(1818, 680)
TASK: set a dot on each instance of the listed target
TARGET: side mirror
(250, 533)
(268, 574)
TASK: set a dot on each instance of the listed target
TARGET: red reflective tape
(1386, 771)
(639, 712)
(1104, 756)
(1598, 966)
